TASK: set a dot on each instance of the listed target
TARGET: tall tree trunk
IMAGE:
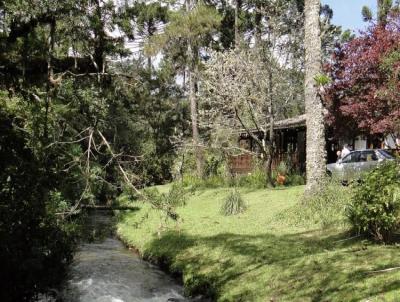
(192, 57)
(50, 78)
(100, 41)
(271, 132)
(195, 129)
(150, 33)
(258, 25)
(315, 141)
(238, 5)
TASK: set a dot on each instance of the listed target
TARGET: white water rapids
(105, 271)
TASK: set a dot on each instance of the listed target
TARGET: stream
(106, 271)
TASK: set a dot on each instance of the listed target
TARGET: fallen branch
(115, 157)
(124, 173)
(385, 270)
(77, 75)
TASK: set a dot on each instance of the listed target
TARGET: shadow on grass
(292, 267)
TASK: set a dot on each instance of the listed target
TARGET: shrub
(255, 180)
(295, 180)
(374, 210)
(185, 165)
(214, 165)
(213, 182)
(36, 245)
(282, 168)
(233, 204)
(195, 182)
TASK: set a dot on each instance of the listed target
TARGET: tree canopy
(365, 87)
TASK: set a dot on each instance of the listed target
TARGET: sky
(347, 13)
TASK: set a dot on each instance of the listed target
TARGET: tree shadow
(294, 267)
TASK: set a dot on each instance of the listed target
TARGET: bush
(374, 210)
(233, 204)
(295, 180)
(214, 165)
(282, 168)
(195, 182)
(36, 245)
(185, 165)
(255, 180)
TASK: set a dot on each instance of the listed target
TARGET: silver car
(357, 162)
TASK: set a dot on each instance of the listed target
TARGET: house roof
(294, 122)
(290, 123)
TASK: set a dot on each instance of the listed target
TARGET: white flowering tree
(242, 90)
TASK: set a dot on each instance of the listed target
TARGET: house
(290, 145)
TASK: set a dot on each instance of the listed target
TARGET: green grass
(260, 255)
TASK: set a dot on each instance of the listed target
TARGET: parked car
(357, 162)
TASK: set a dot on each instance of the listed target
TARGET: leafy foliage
(295, 180)
(374, 210)
(35, 246)
(366, 14)
(195, 26)
(72, 118)
(364, 90)
(282, 168)
(253, 180)
(167, 202)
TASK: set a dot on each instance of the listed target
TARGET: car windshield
(385, 154)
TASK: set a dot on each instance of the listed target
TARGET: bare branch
(249, 132)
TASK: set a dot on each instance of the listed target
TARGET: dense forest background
(100, 97)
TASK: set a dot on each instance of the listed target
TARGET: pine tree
(193, 25)
(315, 141)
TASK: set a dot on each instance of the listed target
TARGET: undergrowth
(257, 179)
(325, 209)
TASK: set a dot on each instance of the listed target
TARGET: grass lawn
(258, 255)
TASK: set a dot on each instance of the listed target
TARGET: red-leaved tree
(364, 94)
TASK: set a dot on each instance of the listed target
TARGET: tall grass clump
(374, 210)
(233, 204)
(326, 208)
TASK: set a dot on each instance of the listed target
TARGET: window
(353, 157)
(385, 154)
(244, 144)
(367, 156)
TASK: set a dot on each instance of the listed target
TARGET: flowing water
(105, 271)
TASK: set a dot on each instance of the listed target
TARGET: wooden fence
(241, 164)
(244, 163)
